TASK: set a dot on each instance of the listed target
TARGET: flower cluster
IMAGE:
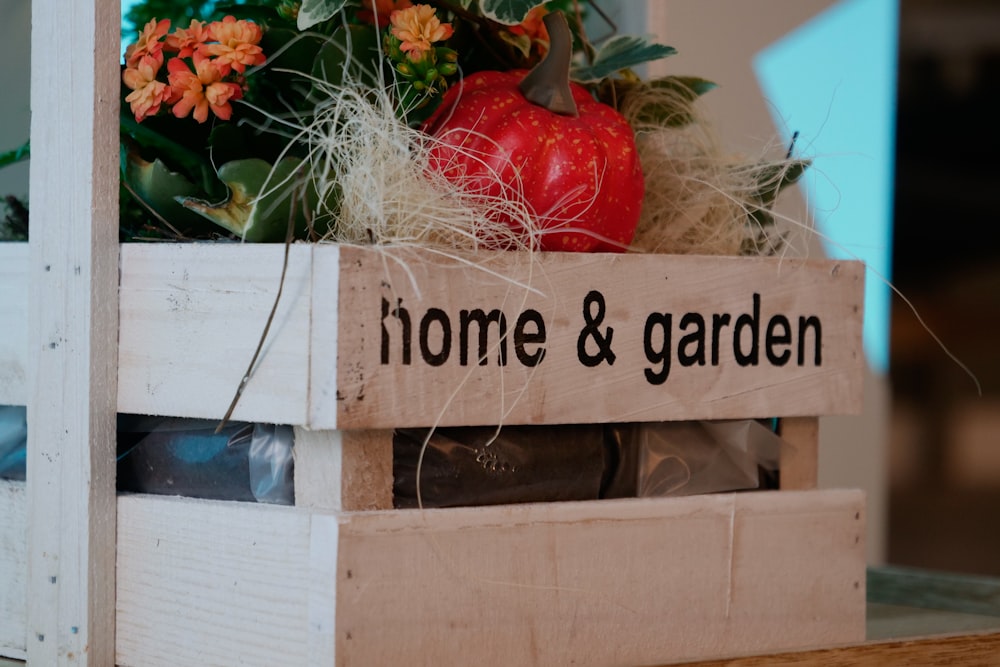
(204, 73)
(320, 55)
(409, 43)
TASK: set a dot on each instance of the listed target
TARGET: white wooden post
(73, 327)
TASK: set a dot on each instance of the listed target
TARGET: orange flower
(381, 10)
(186, 41)
(148, 42)
(236, 46)
(417, 28)
(533, 27)
(147, 94)
(200, 91)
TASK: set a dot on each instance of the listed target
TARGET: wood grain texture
(600, 583)
(72, 332)
(343, 470)
(608, 583)
(799, 456)
(965, 650)
(13, 323)
(367, 470)
(214, 583)
(390, 297)
(192, 314)
(191, 318)
(13, 569)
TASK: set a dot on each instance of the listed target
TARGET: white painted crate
(597, 582)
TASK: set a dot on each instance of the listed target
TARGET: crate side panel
(192, 316)
(611, 583)
(626, 338)
(216, 583)
(13, 569)
(13, 323)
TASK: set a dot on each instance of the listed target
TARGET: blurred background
(944, 450)
(928, 447)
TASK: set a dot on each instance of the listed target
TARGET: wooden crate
(609, 582)
(141, 580)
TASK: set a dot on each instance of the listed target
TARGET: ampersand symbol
(590, 330)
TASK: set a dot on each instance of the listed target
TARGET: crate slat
(609, 583)
(72, 328)
(371, 354)
(13, 569)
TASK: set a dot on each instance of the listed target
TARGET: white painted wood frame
(72, 332)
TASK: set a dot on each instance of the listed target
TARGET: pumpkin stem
(547, 84)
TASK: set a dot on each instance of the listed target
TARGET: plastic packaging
(695, 457)
(13, 441)
(489, 466)
(245, 462)
(486, 466)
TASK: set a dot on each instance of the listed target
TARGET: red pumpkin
(579, 175)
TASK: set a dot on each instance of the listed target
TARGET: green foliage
(13, 219)
(13, 210)
(180, 12)
(771, 178)
(667, 100)
(619, 53)
(263, 200)
(22, 152)
(314, 12)
(508, 12)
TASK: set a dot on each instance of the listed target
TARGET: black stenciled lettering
(441, 356)
(592, 331)
(523, 337)
(694, 339)
(403, 316)
(744, 321)
(483, 320)
(657, 354)
(774, 339)
(811, 322)
(719, 320)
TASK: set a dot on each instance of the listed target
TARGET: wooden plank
(192, 315)
(404, 360)
(343, 470)
(214, 583)
(606, 583)
(204, 582)
(965, 650)
(13, 569)
(191, 318)
(13, 323)
(799, 456)
(72, 332)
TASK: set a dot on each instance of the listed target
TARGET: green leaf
(618, 53)
(195, 165)
(313, 12)
(157, 187)
(508, 12)
(772, 178)
(262, 200)
(20, 153)
(354, 46)
(671, 106)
